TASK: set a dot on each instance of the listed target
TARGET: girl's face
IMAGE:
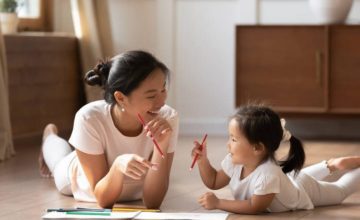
(149, 97)
(242, 152)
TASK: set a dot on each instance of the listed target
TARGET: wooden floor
(25, 195)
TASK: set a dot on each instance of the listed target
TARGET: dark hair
(261, 125)
(123, 73)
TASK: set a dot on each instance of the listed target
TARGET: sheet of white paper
(114, 215)
(182, 215)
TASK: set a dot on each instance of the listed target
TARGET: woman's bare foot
(43, 168)
(343, 163)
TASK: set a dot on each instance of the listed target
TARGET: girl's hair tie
(286, 133)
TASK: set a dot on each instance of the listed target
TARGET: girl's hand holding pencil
(199, 151)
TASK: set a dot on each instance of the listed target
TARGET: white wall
(134, 24)
(204, 64)
(196, 39)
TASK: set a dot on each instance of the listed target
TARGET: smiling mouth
(154, 112)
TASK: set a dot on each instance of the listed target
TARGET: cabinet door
(282, 66)
(44, 82)
(345, 69)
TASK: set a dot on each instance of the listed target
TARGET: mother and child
(116, 158)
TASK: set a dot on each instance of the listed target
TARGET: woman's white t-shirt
(94, 133)
(267, 178)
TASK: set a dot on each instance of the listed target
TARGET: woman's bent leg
(54, 149)
(55, 158)
(62, 174)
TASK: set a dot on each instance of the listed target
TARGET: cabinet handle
(318, 56)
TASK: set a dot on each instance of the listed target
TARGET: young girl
(114, 158)
(261, 183)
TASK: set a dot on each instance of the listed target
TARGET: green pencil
(89, 213)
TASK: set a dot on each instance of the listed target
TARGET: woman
(115, 158)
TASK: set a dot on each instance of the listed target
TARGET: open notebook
(138, 215)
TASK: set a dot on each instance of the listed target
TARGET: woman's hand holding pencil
(134, 166)
(159, 130)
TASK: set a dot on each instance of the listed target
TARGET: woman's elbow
(153, 202)
(247, 212)
(257, 210)
(153, 205)
(103, 203)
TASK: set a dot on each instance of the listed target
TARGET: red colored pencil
(197, 155)
(151, 136)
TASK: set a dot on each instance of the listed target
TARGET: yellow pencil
(119, 209)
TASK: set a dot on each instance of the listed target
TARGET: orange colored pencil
(197, 155)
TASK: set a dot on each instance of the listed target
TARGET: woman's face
(242, 152)
(149, 97)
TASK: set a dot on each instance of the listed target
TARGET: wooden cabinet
(344, 68)
(44, 82)
(299, 69)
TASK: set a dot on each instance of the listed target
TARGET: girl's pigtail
(296, 157)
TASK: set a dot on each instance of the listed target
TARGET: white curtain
(6, 142)
(92, 28)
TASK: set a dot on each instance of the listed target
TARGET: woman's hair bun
(98, 75)
(92, 78)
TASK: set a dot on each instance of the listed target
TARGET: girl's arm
(255, 205)
(212, 178)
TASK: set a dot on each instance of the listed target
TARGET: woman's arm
(255, 205)
(157, 181)
(105, 182)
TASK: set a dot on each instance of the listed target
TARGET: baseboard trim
(304, 128)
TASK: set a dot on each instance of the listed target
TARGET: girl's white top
(265, 179)
(94, 133)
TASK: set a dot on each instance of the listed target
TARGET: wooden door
(283, 66)
(345, 69)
